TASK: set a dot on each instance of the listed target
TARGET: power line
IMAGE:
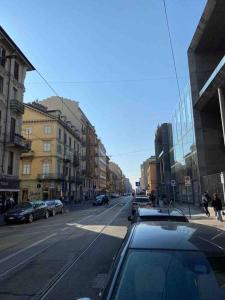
(171, 47)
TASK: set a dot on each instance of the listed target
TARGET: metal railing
(17, 106)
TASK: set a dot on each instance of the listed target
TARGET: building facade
(207, 76)
(102, 165)
(52, 168)
(162, 152)
(13, 68)
(183, 155)
(151, 173)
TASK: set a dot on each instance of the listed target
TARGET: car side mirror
(130, 218)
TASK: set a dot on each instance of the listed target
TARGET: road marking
(28, 247)
(45, 292)
(65, 228)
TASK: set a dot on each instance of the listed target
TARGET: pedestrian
(152, 197)
(205, 204)
(217, 203)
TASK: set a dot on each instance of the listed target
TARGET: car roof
(177, 236)
(154, 211)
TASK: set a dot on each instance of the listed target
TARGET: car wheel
(46, 214)
(30, 218)
(53, 212)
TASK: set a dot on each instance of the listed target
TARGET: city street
(65, 257)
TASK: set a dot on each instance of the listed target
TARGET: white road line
(26, 248)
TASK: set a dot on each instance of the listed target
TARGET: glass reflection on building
(183, 151)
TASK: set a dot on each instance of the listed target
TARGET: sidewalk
(198, 216)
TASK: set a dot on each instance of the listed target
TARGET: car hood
(16, 211)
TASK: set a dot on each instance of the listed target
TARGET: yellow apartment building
(52, 168)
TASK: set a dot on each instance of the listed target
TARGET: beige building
(52, 168)
(152, 178)
(116, 178)
(89, 166)
(13, 68)
(101, 168)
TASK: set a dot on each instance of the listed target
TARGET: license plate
(11, 218)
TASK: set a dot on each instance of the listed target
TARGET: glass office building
(183, 156)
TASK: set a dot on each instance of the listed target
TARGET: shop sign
(9, 184)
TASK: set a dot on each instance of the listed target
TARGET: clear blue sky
(113, 56)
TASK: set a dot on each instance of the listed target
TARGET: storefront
(9, 188)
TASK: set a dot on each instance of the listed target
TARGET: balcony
(67, 158)
(28, 154)
(50, 176)
(20, 142)
(17, 106)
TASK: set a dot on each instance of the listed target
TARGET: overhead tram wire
(171, 47)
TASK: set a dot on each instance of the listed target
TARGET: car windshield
(141, 200)
(169, 275)
(23, 205)
(50, 202)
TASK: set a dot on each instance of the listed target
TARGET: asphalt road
(65, 257)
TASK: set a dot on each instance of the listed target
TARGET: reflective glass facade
(183, 151)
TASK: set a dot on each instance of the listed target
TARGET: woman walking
(217, 204)
(205, 204)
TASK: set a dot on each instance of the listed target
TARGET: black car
(27, 212)
(157, 214)
(169, 260)
(54, 207)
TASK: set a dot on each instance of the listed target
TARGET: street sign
(222, 177)
(173, 182)
(137, 183)
(187, 180)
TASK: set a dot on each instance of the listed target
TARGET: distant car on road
(27, 212)
(140, 201)
(157, 214)
(55, 206)
(101, 199)
(169, 260)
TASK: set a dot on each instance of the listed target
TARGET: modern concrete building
(13, 68)
(207, 76)
(162, 152)
(51, 169)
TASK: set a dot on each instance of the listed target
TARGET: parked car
(140, 201)
(157, 214)
(101, 199)
(169, 260)
(27, 212)
(55, 206)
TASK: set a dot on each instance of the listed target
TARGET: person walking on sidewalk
(217, 204)
(205, 203)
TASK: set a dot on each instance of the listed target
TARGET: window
(47, 129)
(60, 133)
(12, 129)
(1, 84)
(45, 168)
(70, 142)
(2, 57)
(65, 138)
(26, 168)
(16, 70)
(10, 163)
(15, 93)
(47, 147)
(59, 149)
(28, 131)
